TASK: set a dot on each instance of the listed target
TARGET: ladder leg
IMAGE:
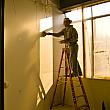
(57, 79)
(84, 93)
(53, 95)
(65, 83)
(72, 86)
(66, 73)
(73, 94)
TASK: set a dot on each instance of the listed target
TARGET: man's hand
(43, 34)
(63, 41)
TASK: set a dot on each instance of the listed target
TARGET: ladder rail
(57, 79)
(83, 90)
(71, 82)
(65, 89)
(66, 71)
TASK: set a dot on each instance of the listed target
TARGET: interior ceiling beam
(67, 5)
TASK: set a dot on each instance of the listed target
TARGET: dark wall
(1, 55)
(67, 3)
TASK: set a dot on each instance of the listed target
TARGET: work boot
(74, 74)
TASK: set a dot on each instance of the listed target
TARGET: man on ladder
(70, 38)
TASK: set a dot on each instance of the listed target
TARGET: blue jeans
(73, 59)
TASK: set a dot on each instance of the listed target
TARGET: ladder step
(75, 80)
(62, 67)
(64, 76)
(60, 76)
(84, 106)
(59, 84)
(78, 86)
(62, 81)
(80, 96)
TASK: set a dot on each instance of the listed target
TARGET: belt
(73, 43)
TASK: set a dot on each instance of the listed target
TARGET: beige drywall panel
(22, 56)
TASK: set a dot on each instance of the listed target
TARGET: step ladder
(66, 53)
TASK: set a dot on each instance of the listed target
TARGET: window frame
(92, 18)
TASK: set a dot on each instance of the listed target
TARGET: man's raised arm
(53, 34)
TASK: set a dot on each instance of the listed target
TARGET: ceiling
(68, 3)
(62, 4)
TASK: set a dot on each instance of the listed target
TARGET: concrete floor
(65, 107)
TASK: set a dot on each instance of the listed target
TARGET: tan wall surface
(22, 59)
(96, 90)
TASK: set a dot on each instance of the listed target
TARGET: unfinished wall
(98, 91)
(22, 59)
